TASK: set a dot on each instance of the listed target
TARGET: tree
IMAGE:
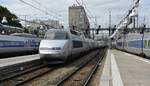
(5, 12)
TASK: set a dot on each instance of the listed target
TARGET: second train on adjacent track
(135, 43)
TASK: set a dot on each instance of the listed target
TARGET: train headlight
(56, 48)
(53, 48)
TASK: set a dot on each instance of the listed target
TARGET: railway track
(21, 79)
(10, 71)
(52, 78)
(47, 75)
(82, 75)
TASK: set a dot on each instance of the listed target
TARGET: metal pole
(142, 41)
(110, 29)
(124, 37)
(109, 23)
(95, 28)
(137, 21)
(93, 33)
(142, 44)
(133, 22)
(25, 22)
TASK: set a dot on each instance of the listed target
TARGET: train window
(12, 43)
(148, 43)
(1, 44)
(5, 43)
(77, 44)
(119, 44)
(56, 35)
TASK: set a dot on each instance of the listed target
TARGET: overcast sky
(98, 8)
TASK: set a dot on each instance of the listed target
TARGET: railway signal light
(97, 31)
(143, 29)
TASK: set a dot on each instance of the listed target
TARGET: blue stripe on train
(21, 45)
(17, 46)
(136, 44)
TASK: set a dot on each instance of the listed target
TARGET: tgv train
(135, 43)
(18, 42)
(60, 45)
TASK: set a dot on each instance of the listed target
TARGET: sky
(58, 9)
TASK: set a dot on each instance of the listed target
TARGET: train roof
(55, 30)
(70, 31)
(24, 35)
(12, 27)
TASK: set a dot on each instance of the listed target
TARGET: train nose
(52, 50)
(59, 56)
(56, 55)
(51, 46)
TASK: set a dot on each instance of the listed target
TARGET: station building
(78, 19)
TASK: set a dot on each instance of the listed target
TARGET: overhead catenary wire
(89, 15)
(58, 15)
(47, 13)
(31, 5)
(127, 19)
(78, 2)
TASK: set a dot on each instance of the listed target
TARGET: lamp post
(4, 20)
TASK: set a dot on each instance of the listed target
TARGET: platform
(124, 69)
(18, 59)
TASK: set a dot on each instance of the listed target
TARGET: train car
(135, 43)
(7, 30)
(59, 45)
(18, 42)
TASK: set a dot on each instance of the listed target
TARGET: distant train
(135, 43)
(7, 30)
(60, 45)
(13, 41)
(18, 42)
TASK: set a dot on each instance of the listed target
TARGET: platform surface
(18, 59)
(124, 69)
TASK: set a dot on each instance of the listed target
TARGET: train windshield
(56, 35)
